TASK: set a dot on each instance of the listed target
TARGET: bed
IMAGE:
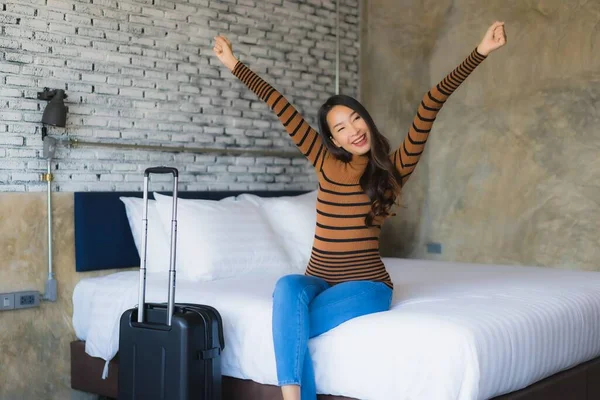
(455, 330)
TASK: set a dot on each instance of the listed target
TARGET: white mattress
(455, 331)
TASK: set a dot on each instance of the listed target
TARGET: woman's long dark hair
(381, 180)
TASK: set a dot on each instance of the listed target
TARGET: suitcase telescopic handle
(161, 170)
(172, 259)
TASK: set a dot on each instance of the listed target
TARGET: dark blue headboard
(103, 238)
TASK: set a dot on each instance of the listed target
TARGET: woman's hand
(224, 52)
(494, 38)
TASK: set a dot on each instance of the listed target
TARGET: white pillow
(293, 218)
(221, 239)
(157, 255)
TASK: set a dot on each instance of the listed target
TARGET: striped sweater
(344, 249)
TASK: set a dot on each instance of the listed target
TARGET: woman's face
(349, 131)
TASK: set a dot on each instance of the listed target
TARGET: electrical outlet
(7, 301)
(434, 248)
(27, 299)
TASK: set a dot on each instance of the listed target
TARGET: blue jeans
(307, 306)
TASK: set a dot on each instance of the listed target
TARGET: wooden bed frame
(579, 383)
(103, 240)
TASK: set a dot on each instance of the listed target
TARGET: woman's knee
(287, 284)
(294, 286)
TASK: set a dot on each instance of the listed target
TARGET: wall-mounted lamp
(55, 113)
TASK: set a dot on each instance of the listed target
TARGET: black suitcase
(169, 351)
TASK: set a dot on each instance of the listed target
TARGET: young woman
(359, 182)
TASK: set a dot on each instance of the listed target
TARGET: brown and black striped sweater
(344, 249)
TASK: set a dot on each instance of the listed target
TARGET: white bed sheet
(455, 331)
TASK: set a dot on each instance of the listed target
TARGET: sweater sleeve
(406, 157)
(302, 134)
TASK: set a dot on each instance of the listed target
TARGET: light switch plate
(7, 301)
